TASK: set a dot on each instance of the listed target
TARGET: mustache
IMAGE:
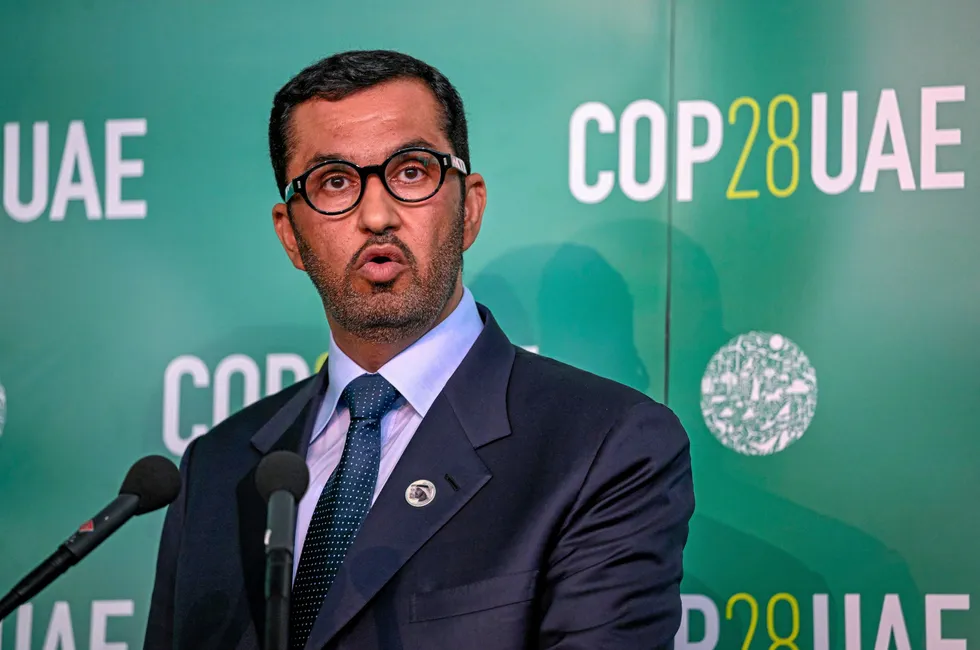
(383, 240)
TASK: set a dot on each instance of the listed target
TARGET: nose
(377, 212)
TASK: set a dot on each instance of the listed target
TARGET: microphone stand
(279, 568)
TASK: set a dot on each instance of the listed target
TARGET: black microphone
(151, 483)
(282, 479)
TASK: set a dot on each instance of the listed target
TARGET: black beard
(383, 316)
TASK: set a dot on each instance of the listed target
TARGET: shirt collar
(418, 373)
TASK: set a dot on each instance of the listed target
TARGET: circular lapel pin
(420, 493)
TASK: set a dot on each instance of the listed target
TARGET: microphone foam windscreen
(155, 480)
(282, 470)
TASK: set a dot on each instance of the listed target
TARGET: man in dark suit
(464, 493)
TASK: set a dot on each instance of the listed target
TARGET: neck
(371, 355)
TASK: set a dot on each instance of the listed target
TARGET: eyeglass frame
(447, 161)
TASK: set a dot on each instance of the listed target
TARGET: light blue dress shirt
(419, 373)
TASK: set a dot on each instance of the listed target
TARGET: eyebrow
(320, 157)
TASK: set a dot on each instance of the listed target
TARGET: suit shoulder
(238, 428)
(570, 414)
(558, 387)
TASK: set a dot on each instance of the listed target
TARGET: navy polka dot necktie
(343, 504)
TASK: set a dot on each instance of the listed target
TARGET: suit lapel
(470, 412)
(289, 428)
(393, 529)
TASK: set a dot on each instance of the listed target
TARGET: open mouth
(381, 264)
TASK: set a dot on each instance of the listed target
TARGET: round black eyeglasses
(333, 187)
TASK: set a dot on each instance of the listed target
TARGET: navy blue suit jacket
(563, 527)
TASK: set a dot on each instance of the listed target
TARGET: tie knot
(369, 397)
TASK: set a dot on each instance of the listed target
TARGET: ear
(287, 237)
(474, 203)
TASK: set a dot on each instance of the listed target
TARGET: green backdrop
(763, 213)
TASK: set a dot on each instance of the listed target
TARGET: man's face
(384, 269)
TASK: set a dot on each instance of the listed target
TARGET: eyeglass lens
(410, 176)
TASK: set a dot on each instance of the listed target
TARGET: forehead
(367, 126)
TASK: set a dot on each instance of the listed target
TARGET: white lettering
(818, 167)
(581, 190)
(888, 120)
(687, 154)
(176, 369)
(231, 365)
(935, 604)
(76, 156)
(642, 108)
(101, 611)
(934, 137)
(25, 212)
(116, 169)
(60, 635)
(277, 364)
(25, 626)
(712, 623)
(852, 621)
(892, 624)
(821, 622)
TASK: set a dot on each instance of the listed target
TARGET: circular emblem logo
(759, 393)
(3, 408)
(420, 493)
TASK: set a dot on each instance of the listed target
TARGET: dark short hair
(342, 74)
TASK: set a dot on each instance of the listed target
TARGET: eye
(335, 182)
(412, 170)
(412, 167)
(411, 173)
(333, 179)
